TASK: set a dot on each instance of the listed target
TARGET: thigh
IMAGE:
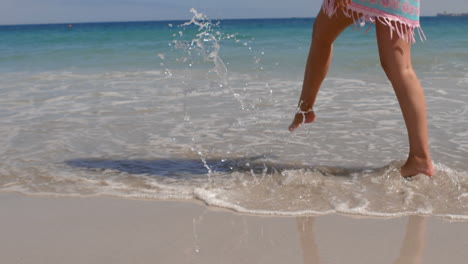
(327, 28)
(394, 51)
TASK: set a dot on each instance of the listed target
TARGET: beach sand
(40, 229)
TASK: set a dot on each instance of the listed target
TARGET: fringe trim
(361, 16)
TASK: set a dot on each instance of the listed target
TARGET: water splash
(197, 46)
(206, 42)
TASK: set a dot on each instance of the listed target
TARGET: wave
(255, 185)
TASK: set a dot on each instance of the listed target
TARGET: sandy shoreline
(38, 229)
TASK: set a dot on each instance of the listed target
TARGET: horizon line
(163, 20)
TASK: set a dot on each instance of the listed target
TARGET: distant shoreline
(445, 14)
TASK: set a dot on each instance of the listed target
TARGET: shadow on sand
(179, 167)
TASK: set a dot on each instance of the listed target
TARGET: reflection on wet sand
(305, 226)
(411, 251)
(412, 248)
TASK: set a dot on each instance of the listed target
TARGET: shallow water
(140, 110)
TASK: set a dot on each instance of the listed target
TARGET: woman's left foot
(302, 118)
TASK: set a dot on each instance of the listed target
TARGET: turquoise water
(133, 45)
(162, 110)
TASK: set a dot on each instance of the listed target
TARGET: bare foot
(416, 165)
(302, 118)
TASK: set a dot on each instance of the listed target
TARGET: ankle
(305, 106)
(423, 155)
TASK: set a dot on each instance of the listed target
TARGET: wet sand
(39, 229)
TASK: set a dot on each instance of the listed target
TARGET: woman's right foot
(302, 118)
(415, 166)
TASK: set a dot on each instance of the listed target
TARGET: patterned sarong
(402, 16)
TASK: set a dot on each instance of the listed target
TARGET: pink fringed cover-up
(402, 16)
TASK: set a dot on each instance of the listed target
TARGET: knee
(396, 70)
(386, 66)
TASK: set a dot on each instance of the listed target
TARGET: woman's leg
(325, 31)
(395, 57)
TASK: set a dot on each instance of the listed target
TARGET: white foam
(291, 192)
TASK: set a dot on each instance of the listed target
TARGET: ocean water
(199, 110)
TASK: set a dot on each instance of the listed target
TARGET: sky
(73, 11)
